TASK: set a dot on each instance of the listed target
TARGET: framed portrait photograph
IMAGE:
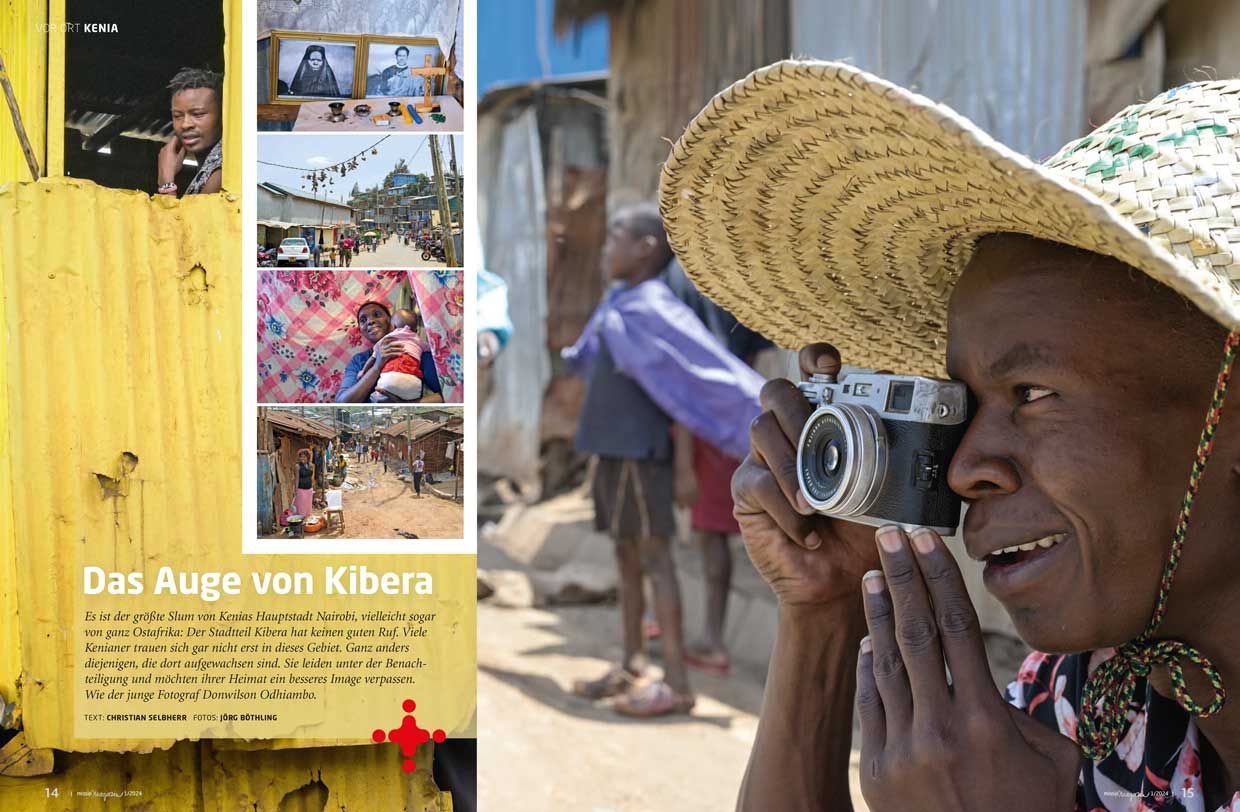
(389, 59)
(306, 66)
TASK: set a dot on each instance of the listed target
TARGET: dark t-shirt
(739, 339)
(305, 476)
(1158, 762)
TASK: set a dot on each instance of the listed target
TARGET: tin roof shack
(667, 58)
(543, 162)
(405, 439)
(285, 213)
(280, 434)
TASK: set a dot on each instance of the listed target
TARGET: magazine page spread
(619, 405)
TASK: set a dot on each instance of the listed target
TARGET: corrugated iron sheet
(1014, 67)
(122, 339)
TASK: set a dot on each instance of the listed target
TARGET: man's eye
(1028, 393)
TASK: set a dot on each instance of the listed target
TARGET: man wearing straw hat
(1091, 306)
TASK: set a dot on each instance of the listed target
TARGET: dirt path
(374, 513)
(527, 659)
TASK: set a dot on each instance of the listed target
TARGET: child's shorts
(633, 498)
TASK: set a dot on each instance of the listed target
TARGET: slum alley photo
(361, 472)
(971, 232)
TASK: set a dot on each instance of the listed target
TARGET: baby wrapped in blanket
(402, 376)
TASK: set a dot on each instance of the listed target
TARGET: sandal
(615, 682)
(712, 662)
(653, 699)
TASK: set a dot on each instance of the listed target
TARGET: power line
(333, 166)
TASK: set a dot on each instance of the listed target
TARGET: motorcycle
(434, 251)
(266, 257)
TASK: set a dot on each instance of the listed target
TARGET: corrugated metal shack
(543, 159)
(405, 439)
(135, 458)
(280, 434)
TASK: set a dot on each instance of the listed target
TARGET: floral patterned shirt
(1157, 764)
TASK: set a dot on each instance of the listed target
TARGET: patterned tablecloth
(314, 116)
(307, 328)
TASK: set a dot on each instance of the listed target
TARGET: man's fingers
(770, 444)
(916, 631)
(818, 359)
(959, 630)
(782, 399)
(869, 705)
(754, 491)
(887, 664)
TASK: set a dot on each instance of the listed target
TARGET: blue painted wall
(516, 43)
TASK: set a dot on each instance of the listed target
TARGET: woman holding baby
(399, 367)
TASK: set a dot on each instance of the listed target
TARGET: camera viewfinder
(900, 398)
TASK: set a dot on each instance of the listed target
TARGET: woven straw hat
(818, 202)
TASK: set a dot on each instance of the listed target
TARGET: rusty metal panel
(199, 777)
(316, 779)
(123, 405)
(165, 779)
(1014, 67)
(513, 224)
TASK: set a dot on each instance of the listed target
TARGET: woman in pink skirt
(303, 501)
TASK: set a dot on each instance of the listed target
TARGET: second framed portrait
(388, 61)
(307, 66)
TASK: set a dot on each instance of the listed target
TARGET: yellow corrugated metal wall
(123, 337)
(122, 340)
(193, 777)
(24, 50)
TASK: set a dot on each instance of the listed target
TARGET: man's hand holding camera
(920, 734)
(923, 739)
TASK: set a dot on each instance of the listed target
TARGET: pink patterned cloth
(307, 327)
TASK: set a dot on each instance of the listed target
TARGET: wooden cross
(428, 104)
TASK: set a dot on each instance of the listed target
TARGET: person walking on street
(418, 467)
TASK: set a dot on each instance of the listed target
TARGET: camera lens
(831, 457)
(842, 459)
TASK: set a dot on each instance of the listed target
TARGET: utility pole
(456, 174)
(445, 213)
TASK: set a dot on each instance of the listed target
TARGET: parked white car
(295, 250)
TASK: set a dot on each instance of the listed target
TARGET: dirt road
(375, 512)
(585, 757)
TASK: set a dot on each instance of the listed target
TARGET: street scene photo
(360, 201)
(361, 472)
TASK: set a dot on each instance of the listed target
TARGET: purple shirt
(660, 343)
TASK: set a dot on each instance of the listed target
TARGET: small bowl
(393, 108)
(337, 107)
(362, 109)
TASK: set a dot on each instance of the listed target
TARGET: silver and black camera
(877, 447)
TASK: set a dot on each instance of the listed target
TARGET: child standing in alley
(650, 363)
